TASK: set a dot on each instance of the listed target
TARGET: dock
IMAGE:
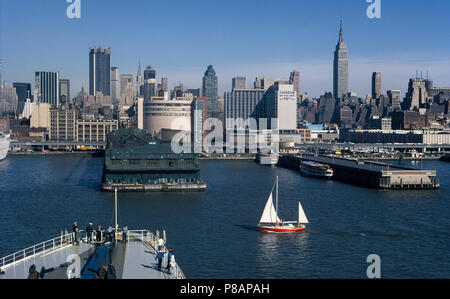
(370, 174)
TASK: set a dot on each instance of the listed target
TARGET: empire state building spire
(340, 67)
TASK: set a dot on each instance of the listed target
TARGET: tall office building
(265, 82)
(149, 89)
(281, 105)
(340, 68)
(417, 94)
(209, 91)
(125, 80)
(149, 73)
(64, 91)
(376, 85)
(238, 83)
(139, 81)
(9, 100)
(296, 80)
(23, 91)
(243, 104)
(115, 92)
(47, 88)
(165, 84)
(99, 71)
(394, 97)
(1, 82)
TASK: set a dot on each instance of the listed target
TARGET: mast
(115, 208)
(276, 205)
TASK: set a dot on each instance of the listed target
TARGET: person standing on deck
(160, 257)
(170, 261)
(98, 234)
(75, 233)
(89, 230)
(110, 233)
(125, 233)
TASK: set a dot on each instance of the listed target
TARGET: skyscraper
(125, 80)
(99, 71)
(64, 91)
(165, 84)
(115, 84)
(295, 80)
(139, 81)
(376, 85)
(340, 68)
(47, 87)
(209, 91)
(23, 91)
(239, 83)
(149, 73)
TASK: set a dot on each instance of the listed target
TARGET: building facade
(23, 91)
(47, 88)
(64, 92)
(99, 71)
(239, 83)
(95, 131)
(210, 91)
(376, 85)
(296, 80)
(63, 125)
(166, 114)
(115, 92)
(243, 104)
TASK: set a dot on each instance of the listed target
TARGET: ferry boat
(270, 222)
(4, 145)
(124, 256)
(315, 169)
(267, 159)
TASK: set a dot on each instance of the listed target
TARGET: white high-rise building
(115, 84)
(281, 105)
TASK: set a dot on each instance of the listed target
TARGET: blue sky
(239, 37)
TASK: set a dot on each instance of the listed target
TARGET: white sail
(269, 215)
(301, 214)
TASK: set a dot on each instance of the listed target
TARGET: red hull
(281, 229)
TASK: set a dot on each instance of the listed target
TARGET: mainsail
(301, 214)
(269, 215)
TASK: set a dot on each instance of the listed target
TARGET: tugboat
(270, 222)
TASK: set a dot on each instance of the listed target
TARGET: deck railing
(41, 248)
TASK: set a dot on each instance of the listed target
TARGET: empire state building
(340, 68)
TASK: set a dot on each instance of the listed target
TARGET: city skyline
(308, 45)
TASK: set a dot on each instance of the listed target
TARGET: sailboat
(270, 222)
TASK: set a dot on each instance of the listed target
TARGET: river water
(214, 233)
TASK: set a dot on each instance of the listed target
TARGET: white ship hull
(270, 160)
(4, 146)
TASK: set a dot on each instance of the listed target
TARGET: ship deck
(135, 259)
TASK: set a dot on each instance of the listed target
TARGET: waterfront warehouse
(134, 161)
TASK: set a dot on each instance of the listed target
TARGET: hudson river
(214, 233)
